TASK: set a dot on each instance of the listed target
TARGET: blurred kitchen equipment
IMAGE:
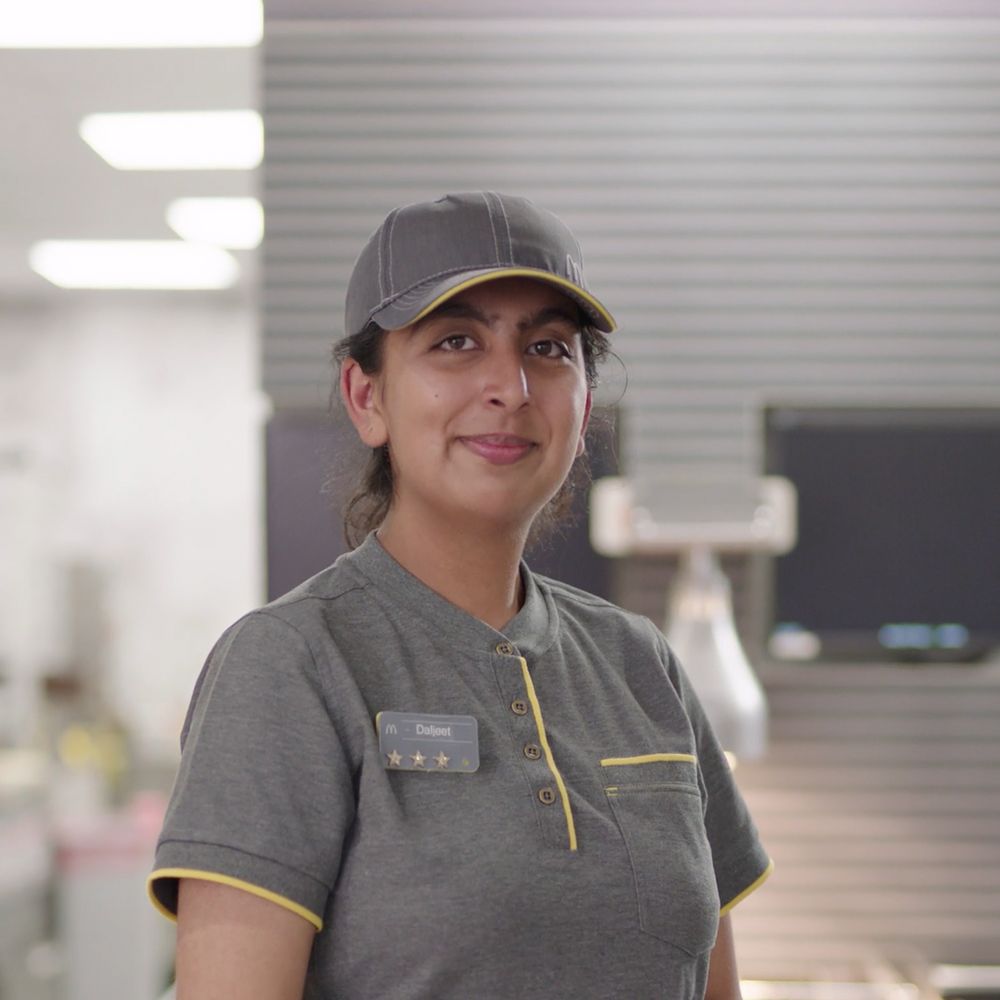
(697, 517)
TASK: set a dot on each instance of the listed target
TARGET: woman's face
(483, 404)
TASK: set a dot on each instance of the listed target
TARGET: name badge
(412, 742)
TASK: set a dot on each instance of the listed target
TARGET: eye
(553, 348)
(456, 342)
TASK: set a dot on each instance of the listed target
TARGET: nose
(506, 382)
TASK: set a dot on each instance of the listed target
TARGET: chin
(501, 515)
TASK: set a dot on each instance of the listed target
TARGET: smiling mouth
(498, 449)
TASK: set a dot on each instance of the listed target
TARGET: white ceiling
(54, 186)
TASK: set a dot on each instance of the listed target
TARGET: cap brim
(416, 303)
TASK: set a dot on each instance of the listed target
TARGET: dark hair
(369, 504)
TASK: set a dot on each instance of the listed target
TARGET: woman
(426, 773)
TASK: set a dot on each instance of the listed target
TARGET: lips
(499, 449)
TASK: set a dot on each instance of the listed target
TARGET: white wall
(130, 499)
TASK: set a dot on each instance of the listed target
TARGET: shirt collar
(532, 630)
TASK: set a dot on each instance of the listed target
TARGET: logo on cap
(575, 271)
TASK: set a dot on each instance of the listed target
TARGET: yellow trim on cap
(519, 272)
(536, 711)
(756, 884)
(647, 759)
(236, 883)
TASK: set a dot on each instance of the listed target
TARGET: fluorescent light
(62, 24)
(237, 223)
(177, 140)
(145, 264)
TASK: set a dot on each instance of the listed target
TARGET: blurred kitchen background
(793, 209)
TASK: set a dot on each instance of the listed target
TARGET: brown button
(505, 648)
(519, 707)
(532, 752)
(546, 796)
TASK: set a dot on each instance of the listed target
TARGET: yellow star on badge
(441, 760)
(394, 759)
(418, 759)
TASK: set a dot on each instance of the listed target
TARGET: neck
(477, 570)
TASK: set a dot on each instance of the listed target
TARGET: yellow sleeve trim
(647, 759)
(236, 883)
(536, 711)
(756, 884)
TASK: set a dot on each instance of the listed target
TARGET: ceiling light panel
(177, 140)
(135, 264)
(60, 24)
(237, 223)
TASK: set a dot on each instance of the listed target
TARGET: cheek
(577, 410)
(422, 405)
(442, 398)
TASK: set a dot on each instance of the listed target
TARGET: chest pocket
(657, 805)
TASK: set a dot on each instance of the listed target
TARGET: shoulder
(626, 641)
(566, 593)
(285, 640)
(575, 601)
(335, 584)
(309, 608)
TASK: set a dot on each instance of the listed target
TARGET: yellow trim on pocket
(536, 711)
(756, 884)
(236, 883)
(648, 759)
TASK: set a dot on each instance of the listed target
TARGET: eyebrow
(573, 317)
(462, 310)
(452, 310)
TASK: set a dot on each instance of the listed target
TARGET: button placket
(527, 741)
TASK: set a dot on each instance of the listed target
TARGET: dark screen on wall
(899, 528)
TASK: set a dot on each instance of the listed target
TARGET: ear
(581, 445)
(361, 400)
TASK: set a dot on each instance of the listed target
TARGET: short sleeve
(740, 861)
(264, 793)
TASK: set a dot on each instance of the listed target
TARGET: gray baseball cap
(425, 253)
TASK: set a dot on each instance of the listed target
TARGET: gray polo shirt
(587, 857)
